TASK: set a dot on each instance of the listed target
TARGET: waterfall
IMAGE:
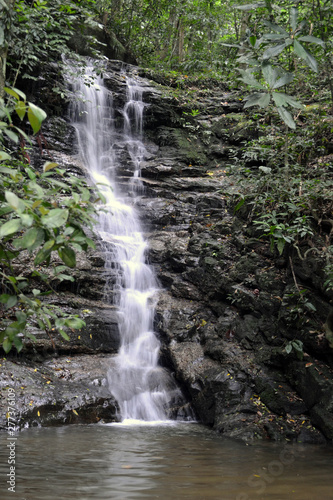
(142, 388)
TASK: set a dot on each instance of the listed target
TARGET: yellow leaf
(48, 382)
(76, 413)
(38, 413)
(210, 173)
(79, 337)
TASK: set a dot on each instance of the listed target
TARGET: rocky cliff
(225, 310)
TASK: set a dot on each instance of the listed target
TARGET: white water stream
(142, 388)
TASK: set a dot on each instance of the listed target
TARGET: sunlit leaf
(10, 227)
(55, 218)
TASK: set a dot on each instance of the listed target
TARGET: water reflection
(170, 461)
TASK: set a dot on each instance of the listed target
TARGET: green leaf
(312, 39)
(32, 238)
(275, 27)
(293, 18)
(274, 36)
(286, 117)
(10, 227)
(253, 40)
(261, 99)
(283, 80)
(282, 99)
(55, 218)
(4, 156)
(44, 252)
(11, 301)
(21, 109)
(249, 79)
(48, 165)
(270, 74)
(15, 93)
(18, 343)
(14, 201)
(11, 135)
(75, 323)
(68, 256)
(35, 115)
(7, 345)
(280, 245)
(288, 348)
(64, 334)
(306, 56)
(273, 51)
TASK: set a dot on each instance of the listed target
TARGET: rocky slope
(223, 314)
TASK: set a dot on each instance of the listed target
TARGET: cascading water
(142, 388)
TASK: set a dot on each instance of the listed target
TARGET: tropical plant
(41, 214)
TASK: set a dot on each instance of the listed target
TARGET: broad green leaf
(7, 345)
(10, 227)
(275, 27)
(11, 135)
(27, 220)
(55, 218)
(306, 56)
(68, 256)
(286, 117)
(14, 201)
(33, 237)
(280, 245)
(253, 40)
(288, 348)
(282, 99)
(35, 115)
(270, 74)
(49, 165)
(18, 343)
(30, 173)
(76, 323)
(15, 93)
(37, 188)
(274, 36)
(293, 18)
(312, 39)
(4, 156)
(273, 51)
(21, 109)
(249, 79)
(283, 80)
(64, 334)
(261, 99)
(11, 301)
(44, 252)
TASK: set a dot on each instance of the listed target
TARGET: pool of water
(170, 461)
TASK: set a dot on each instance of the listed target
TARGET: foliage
(41, 214)
(40, 31)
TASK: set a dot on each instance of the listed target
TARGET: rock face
(225, 311)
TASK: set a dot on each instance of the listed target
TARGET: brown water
(167, 462)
